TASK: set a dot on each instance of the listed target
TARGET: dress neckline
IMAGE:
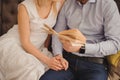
(50, 12)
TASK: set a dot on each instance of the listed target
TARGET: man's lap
(78, 70)
(88, 74)
(57, 75)
(67, 75)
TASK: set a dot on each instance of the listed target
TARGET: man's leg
(91, 71)
(57, 75)
(86, 69)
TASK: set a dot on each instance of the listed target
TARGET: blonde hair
(43, 2)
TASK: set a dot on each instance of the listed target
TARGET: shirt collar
(90, 1)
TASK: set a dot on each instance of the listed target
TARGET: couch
(8, 14)
(8, 17)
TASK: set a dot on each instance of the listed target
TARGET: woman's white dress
(15, 62)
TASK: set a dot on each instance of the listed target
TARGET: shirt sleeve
(60, 26)
(111, 26)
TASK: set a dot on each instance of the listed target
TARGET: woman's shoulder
(29, 7)
(27, 2)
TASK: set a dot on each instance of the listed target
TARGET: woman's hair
(43, 2)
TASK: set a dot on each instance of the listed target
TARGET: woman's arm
(24, 32)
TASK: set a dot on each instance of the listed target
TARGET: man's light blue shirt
(98, 20)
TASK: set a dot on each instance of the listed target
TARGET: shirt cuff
(91, 48)
(59, 53)
(57, 50)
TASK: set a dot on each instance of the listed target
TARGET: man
(99, 22)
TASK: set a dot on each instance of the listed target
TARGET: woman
(22, 52)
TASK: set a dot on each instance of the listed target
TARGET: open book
(74, 36)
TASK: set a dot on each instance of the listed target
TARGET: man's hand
(67, 45)
(72, 40)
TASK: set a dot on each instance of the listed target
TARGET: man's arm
(111, 32)
(60, 26)
(111, 27)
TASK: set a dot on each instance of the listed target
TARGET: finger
(68, 49)
(56, 68)
(67, 44)
(63, 41)
(65, 64)
(57, 63)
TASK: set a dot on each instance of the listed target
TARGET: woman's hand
(54, 64)
(63, 62)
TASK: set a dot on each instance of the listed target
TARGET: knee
(57, 75)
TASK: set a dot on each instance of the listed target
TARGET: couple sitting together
(23, 49)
